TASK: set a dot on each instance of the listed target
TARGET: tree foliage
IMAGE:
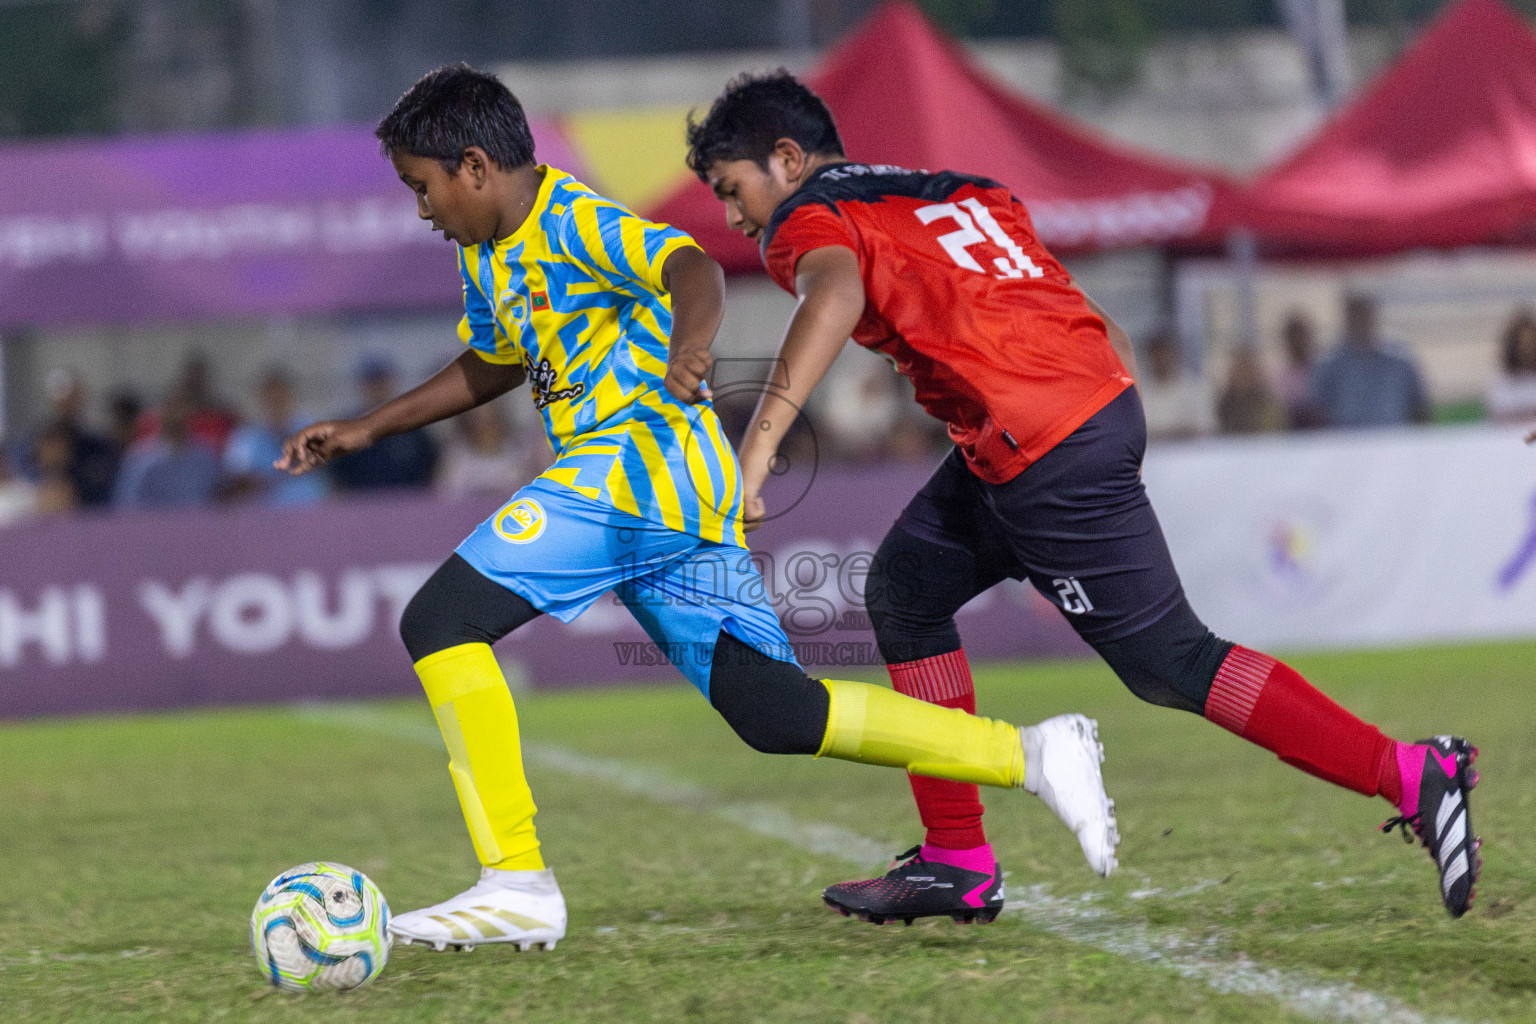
(1104, 42)
(56, 68)
(960, 16)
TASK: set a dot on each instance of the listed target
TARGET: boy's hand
(686, 375)
(1531, 437)
(697, 285)
(753, 510)
(754, 474)
(318, 444)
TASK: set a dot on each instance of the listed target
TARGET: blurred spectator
(860, 410)
(735, 406)
(253, 447)
(124, 409)
(917, 435)
(1512, 394)
(1363, 384)
(209, 420)
(173, 469)
(1247, 406)
(18, 495)
(486, 457)
(1295, 380)
(1177, 403)
(872, 414)
(54, 453)
(93, 459)
(405, 460)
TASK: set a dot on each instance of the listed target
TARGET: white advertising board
(1354, 539)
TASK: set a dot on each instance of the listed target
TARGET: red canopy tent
(905, 94)
(1439, 151)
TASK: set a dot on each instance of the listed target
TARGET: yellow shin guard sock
(874, 725)
(479, 724)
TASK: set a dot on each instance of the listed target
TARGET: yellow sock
(479, 724)
(874, 725)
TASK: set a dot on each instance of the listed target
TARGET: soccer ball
(320, 925)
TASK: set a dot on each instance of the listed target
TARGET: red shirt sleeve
(812, 226)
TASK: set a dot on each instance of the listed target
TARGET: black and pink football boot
(1438, 778)
(926, 881)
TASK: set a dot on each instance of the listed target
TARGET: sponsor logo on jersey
(543, 377)
(521, 522)
(842, 172)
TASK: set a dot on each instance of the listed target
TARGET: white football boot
(1061, 767)
(520, 907)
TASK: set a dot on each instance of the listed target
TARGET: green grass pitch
(132, 850)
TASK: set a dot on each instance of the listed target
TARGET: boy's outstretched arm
(466, 382)
(697, 285)
(831, 294)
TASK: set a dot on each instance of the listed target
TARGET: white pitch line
(1209, 962)
(41, 958)
(1077, 920)
(764, 819)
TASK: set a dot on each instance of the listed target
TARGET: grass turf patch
(135, 847)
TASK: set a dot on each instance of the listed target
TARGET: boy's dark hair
(753, 114)
(452, 108)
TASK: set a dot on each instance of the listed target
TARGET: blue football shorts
(561, 551)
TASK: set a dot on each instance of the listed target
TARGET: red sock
(951, 811)
(1267, 702)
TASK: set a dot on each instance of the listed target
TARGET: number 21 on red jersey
(967, 214)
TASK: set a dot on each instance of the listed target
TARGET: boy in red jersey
(942, 273)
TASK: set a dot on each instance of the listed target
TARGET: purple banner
(148, 611)
(219, 225)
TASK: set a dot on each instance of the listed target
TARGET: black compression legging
(773, 705)
(459, 605)
(915, 587)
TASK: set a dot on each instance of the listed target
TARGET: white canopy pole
(1319, 27)
(1243, 257)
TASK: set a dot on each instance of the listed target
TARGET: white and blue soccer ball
(320, 925)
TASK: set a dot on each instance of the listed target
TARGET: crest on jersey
(521, 522)
(513, 305)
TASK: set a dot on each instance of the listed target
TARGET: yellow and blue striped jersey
(575, 297)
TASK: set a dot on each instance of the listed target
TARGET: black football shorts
(1077, 524)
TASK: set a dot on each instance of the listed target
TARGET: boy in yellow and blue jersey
(609, 318)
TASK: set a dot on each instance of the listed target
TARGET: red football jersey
(996, 339)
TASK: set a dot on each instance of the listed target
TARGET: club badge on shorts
(520, 522)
